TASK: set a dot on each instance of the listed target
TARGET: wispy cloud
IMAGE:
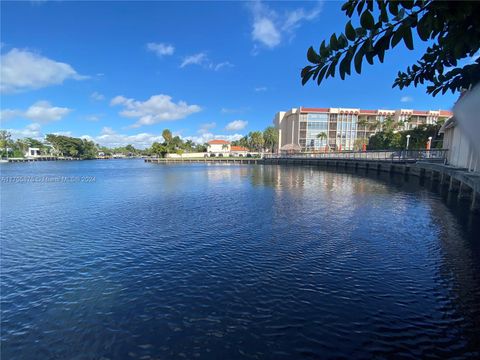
(196, 59)
(204, 128)
(236, 125)
(110, 138)
(30, 131)
(23, 70)
(270, 27)
(156, 109)
(260, 89)
(406, 99)
(205, 137)
(203, 60)
(97, 96)
(40, 112)
(161, 49)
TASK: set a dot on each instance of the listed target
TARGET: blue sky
(121, 72)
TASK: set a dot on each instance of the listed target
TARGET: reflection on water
(227, 261)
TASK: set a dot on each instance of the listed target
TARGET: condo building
(338, 129)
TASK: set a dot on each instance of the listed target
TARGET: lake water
(119, 259)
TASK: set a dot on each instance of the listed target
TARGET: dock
(41, 158)
(209, 160)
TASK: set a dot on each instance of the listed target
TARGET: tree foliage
(74, 147)
(389, 139)
(270, 137)
(452, 28)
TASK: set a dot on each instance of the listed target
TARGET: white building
(218, 147)
(461, 152)
(32, 152)
(317, 129)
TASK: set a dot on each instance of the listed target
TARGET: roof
(374, 112)
(238, 148)
(290, 147)
(452, 122)
(218, 142)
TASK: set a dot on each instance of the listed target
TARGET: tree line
(67, 146)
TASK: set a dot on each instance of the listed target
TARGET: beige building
(218, 146)
(343, 128)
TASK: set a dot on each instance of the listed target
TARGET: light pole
(408, 141)
(429, 143)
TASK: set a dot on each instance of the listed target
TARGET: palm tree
(322, 136)
(363, 122)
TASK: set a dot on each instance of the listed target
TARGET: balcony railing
(433, 155)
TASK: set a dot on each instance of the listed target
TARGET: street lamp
(408, 140)
(429, 142)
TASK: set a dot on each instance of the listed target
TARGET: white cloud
(196, 59)
(32, 131)
(110, 138)
(405, 99)
(221, 65)
(97, 96)
(41, 112)
(23, 70)
(161, 49)
(154, 110)
(204, 128)
(236, 125)
(260, 89)
(270, 27)
(205, 137)
(203, 60)
(265, 32)
(93, 117)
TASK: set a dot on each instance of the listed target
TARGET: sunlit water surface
(225, 261)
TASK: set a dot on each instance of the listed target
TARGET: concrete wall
(461, 152)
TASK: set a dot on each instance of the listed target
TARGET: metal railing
(433, 155)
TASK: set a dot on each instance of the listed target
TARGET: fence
(433, 155)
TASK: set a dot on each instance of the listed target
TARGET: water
(225, 261)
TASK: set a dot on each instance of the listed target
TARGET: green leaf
(312, 56)
(342, 41)
(350, 31)
(407, 37)
(383, 12)
(321, 75)
(358, 60)
(333, 42)
(423, 28)
(393, 7)
(323, 50)
(367, 21)
(306, 77)
(305, 70)
(345, 65)
(397, 36)
(408, 4)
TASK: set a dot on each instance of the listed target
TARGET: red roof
(321, 110)
(219, 142)
(238, 148)
(446, 113)
(368, 111)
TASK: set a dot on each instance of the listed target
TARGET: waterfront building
(317, 129)
(238, 151)
(218, 146)
(461, 151)
(32, 152)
